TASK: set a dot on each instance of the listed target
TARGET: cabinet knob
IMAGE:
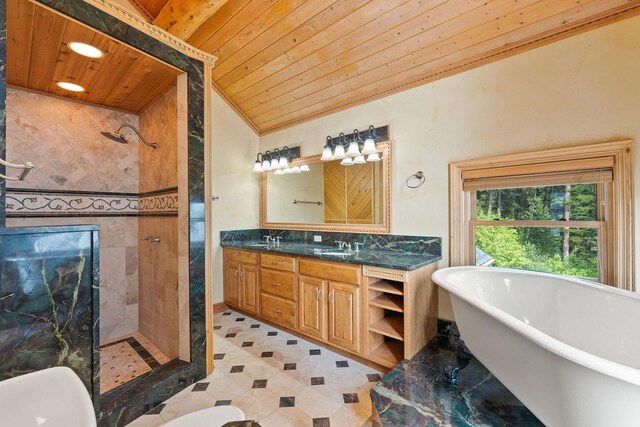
(277, 310)
(236, 274)
(331, 297)
(319, 294)
(275, 284)
(242, 274)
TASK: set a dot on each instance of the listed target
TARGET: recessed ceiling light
(71, 86)
(85, 50)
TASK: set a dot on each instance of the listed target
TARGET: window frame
(614, 224)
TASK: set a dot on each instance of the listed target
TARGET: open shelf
(388, 302)
(391, 351)
(391, 326)
(388, 287)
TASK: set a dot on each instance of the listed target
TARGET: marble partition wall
(48, 299)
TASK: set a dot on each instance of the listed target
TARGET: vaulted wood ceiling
(38, 57)
(282, 62)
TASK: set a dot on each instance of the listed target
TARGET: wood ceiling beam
(183, 17)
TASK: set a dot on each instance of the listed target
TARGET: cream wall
(283, 189)
(234, 150)
(581, 90)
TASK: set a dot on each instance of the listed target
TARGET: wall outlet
(317, 239)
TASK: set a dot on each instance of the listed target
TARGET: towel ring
(419, 176)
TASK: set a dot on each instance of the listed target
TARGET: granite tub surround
(48, 301)
(387, 251)
(417, 392)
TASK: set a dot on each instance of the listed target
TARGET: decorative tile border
(46, 203)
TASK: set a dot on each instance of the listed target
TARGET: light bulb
(70, 86)
(305, 168)
(338, 153)
(369, 147)
(353, 150)
(347, 162)
(257, 167)
(326, 154)
(296, 169)
(85, 50)
(359, 160)
(266, 166)
(275, 164)
(374, 157)
(283, 163)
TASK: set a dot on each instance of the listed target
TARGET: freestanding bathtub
(569, 349)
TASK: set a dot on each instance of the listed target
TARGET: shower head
(118, 137)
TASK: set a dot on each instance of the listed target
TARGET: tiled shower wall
(62, 139)
(158, 309)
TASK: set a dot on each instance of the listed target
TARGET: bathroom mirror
(329, 196)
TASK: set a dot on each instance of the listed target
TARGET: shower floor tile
(126, 358)
(280, 380)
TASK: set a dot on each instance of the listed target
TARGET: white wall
(283, 189)
(234, 150)
(581, 90)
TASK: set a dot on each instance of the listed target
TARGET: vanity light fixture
(85, 50)
(305, 168)
(347, 161)
(277, 161)
(359, 160)
(327, 154)
(335, 150)
(354, 145)
(375, 157)
(369, 143)
(70, 86)
(287, 171)
(296, 169)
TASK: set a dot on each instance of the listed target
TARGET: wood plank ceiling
(38, 57)
(282, 62)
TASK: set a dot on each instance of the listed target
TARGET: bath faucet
(346, 245)
(278, 238)
(269, 239)
(358, 245)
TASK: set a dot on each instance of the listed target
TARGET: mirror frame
(384, 228)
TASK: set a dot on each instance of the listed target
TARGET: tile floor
(276, 378)
(126, 358)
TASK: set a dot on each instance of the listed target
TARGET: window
(565, 211)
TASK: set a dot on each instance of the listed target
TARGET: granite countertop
(395, 260)
(417, 392)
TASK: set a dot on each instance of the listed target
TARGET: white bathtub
(569, 349)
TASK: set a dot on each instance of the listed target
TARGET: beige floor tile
(192, 402)
(148, 421)
(317, 404)
(229, 386)
(257, 404)
(286, 417)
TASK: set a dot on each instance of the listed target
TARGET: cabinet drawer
(279, 262)
(279, 310)
(335, 271)
(278, 283)
(244, 257)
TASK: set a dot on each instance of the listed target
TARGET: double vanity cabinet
(380, 314)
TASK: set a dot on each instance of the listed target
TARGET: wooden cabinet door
(232, 283)
(250, 287)
(344, 316)
(312, 303)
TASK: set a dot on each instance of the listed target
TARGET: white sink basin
(53, 397)
(336, 253)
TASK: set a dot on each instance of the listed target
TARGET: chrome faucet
(346, 245)
(358, 244)
(269, 240)
(277, 239)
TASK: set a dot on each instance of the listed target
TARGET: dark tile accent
(237, 369)
(259, 384)
(231, 335)
(217, 328)
(218, 356)
(240, 319)
(157, 409)
(289, 366)
(272, 334)
(314, 352)
(350, 398)
(342, 364)
(247, 344)
(200, 387)
(287, 402)
(317, 380)
(373, 378)
(255, 326)
(321, 422)
(292, 342)
(226, 313)
(222, 403)
(266, 354)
